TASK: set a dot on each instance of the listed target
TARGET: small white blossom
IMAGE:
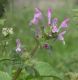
(18, 46)
(10, 30)
(18, 49)
(6, 31)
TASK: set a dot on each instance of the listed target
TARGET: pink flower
(54, 29)
(18, 45)
(38, 14)
(37, 17)
(64, 24)
(46, 46)
(49, 16)
(61, 36)
(54, 21)
(34, 21)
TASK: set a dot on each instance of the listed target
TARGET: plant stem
(17, 73)
(35, 48)
(6, 59)
(33, 77)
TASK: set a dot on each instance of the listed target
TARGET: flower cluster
(51, 30)
(7, 31)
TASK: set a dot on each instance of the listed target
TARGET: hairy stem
(17, 73)
(35, 48)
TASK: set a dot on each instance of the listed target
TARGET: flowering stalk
(51, 31)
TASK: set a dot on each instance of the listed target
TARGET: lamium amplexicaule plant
(46, 33)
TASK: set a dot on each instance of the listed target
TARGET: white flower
(18, 46)
(18, 49)
(5, 31)
(10, 30)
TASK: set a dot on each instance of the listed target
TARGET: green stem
(33, 77)
(1, 60)
(17, 73)
(35, 48)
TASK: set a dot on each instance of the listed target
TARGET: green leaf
(4, 76)
(45, 69)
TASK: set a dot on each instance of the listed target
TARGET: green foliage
(4, 76)
(3, 4)
(75, 14)
(46, 70)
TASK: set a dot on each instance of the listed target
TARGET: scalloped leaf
(45, 69)
(4, 76)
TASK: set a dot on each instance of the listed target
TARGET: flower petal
(54, 29)
(37, 17)
(49, 16)
(64, 24)
(61, 37)
(54, 21)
